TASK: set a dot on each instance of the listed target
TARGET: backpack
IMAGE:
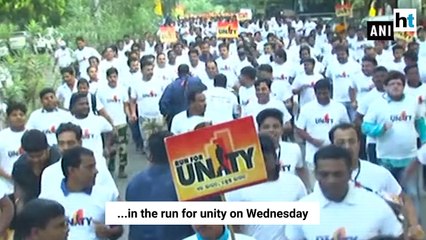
(93, 100)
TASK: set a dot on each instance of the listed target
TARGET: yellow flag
(372, 12)
(158, 8)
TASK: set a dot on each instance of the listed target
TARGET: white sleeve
(125, 96)
(363, 106)
(133, 93)
(105, 126)
(286, 114)
(99, 104)
(392, 186)
(296, 83)
(390, 225)
(174, 127)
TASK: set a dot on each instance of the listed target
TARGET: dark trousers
(371, 153)
(363, 148)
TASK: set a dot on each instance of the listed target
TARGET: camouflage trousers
(120, 146)
(148, 126)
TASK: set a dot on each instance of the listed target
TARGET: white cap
(62, 43)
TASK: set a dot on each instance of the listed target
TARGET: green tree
(20, 12)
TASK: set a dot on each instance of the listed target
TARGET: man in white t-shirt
(289, 154)
(392, 118)
(48, 118)
(63, 55)
(342, 203)
(187, 120)
(145, 94)
(93, 126)
(69, 136)
(247, 91)
(280, 187)
(342, 72)
(65, 91)
(10, 143)
(227, 64)
(82, 55)
(303, 84)
(207, 232)
(115, 99)
(371, 176)
(221, 102)
(266, 100)
(316, 118)
(378, 91)
(84, 205)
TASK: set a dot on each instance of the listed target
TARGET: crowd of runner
(341, 121)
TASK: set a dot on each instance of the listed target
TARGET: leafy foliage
(30, 74)
(201, 6)
(20, 12)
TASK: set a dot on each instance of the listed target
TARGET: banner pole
(231, 228)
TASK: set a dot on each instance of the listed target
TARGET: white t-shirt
(64, 94)
(48, 122)
(421, 155)
(246, 96)
(363, 85)
(93, 126)
(64, 57)
(113, 100)
(365, 104)
(419, 93)
(343, 78)
(52, 176)
(282, 74)
(220, 104)
(373, 217)
(10, 150)
(228, 67)
(83, 56)
(254, 108)
(317, 120)
(307, 94)
(402, 115)
(82, 210)
(148, 95)
(290, 156)
(182, 123)
(288, 188)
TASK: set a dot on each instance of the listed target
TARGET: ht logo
(404, 20)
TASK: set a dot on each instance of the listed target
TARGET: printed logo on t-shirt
(342, 75)
(324, 120)
(225, 68)
(78, 219)
(51, 130)
(420, 99)
(114, 99)
(286, 167)
(403, 117)
(16, 153)
(150, 94)
(87, 134)
(339, 234)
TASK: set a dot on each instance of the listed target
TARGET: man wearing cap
(63, 56)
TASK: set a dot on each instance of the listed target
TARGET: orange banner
(406, 36)
(168, 34)
(227, 29)
(343, 10)
(216, 159)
